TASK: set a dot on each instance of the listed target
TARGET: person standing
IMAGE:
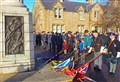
(87, 40)
(113, 53)
(43, 39)
(75, 46)
(42, 44)
(65, 47)
(64, 36)
(60, 43)
(87, 43)
(81, 50)
(81, 45)
(105, 56)
(53, 39)
(49, 36)
(70, 41)
(78, 36)
(34, 35)
(97, 45)
(38, 39)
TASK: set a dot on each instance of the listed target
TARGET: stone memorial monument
(16, 38)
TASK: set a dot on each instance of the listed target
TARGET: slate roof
(69, 6)
(48, 3)
(89, 7)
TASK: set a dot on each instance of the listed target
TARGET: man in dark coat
(53, 39)
(97, 44)
(70, 41)
(38, 39)
(113, 52)
(59, 42)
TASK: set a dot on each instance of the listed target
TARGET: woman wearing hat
(113, 52)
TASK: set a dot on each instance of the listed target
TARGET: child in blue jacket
(81, 50)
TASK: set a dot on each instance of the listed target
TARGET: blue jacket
(87, 40)
(81, 46)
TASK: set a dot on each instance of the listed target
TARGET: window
(54, 28)
(96, 15)
(93, 28)
(81, 28)
(58, 13)
(96, 28)
(81, 15)
(63, 30)
(58, 28)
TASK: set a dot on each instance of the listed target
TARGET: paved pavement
(45, 74)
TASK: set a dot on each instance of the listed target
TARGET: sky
(29, 3)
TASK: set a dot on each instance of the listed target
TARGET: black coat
(107, 39)
(114, 47)
(97, 43)
(53, 39)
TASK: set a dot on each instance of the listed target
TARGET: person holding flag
(113, 53)
(98, 46)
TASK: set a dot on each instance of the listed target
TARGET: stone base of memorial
(16, 38)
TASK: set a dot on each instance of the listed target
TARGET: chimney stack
(90, 1)
(61, 1)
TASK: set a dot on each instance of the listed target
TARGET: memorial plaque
(14, 35)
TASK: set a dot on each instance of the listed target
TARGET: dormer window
(81, 14)
(96, 15)
(58, 13)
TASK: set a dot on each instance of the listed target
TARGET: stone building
(63, 15)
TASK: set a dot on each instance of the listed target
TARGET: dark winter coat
(114, 47)
(97, 43)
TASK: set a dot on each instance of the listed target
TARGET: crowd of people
(108, 43)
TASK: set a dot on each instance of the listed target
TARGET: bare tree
(111, 16)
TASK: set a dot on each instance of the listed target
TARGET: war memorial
(16, 39)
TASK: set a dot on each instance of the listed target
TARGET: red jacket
(65, 46)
